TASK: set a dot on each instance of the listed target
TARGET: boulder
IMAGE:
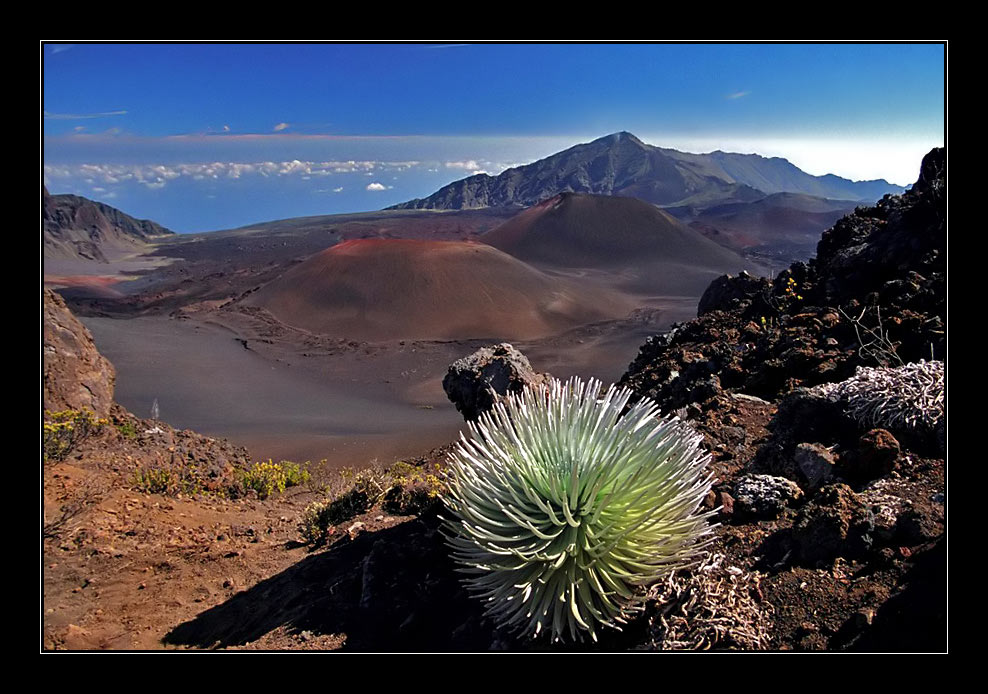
(815, 464)
(764, 496)
(474, 383)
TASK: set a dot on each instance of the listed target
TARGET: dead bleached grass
(714, 606)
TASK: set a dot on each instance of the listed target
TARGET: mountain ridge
(74, 227)
(621, 164)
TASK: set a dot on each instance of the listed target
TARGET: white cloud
(226, 128)
(377, 186)
(79, 116)
(281, 126)
(153, 173)
(470, 165)
(338, 190)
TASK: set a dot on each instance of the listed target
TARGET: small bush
(412, 490)
(173, 479)
(127, 429)
(267, 478)
(63, 431)
(312, 525)
(155, 480)
(401, 489)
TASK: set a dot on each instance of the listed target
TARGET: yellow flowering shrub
(267, 478)
(62, 431)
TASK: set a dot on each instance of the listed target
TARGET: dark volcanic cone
(616, 234)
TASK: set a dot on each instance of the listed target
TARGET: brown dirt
(140, 571)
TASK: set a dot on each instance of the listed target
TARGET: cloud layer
(158, 175)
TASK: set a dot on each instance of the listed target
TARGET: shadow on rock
(391, 590)
(915, 618)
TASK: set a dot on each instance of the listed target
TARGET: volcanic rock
(764, 496)
(815, 464)
(76, 376)
(732, 292)
(877, 454)
(474, 383)
(835, 523)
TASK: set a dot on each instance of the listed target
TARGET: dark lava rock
(806, 415)
(730, 292)
(814, 463)
(882, 268)
(919, 524)
(764, 496)
(836, 523)
(877, 454)
(475, 383)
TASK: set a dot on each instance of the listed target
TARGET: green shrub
(563, 509)
(127, 429)
(401, 489)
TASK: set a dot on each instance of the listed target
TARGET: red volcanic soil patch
(572, 230)
(94, 285)
(382, 289)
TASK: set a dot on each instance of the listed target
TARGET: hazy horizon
(201, 137)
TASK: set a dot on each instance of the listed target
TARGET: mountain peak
(618, 137)
(621, 164)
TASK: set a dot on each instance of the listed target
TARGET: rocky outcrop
(874, 296)
(75, 375)
(474, 383)
(732, 292)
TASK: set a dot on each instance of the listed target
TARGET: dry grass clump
(714, 606)
(902, 399)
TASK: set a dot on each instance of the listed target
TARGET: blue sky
(203, 137)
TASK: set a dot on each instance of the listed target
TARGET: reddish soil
(413, 289)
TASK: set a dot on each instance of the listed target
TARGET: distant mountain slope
(74, 227)
(576, 230)
(384, 289)
(621, 164)
(789, 222)
(643, 249)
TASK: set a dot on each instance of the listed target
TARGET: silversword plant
(561, 508)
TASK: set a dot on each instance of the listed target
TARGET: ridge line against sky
(204, 136)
